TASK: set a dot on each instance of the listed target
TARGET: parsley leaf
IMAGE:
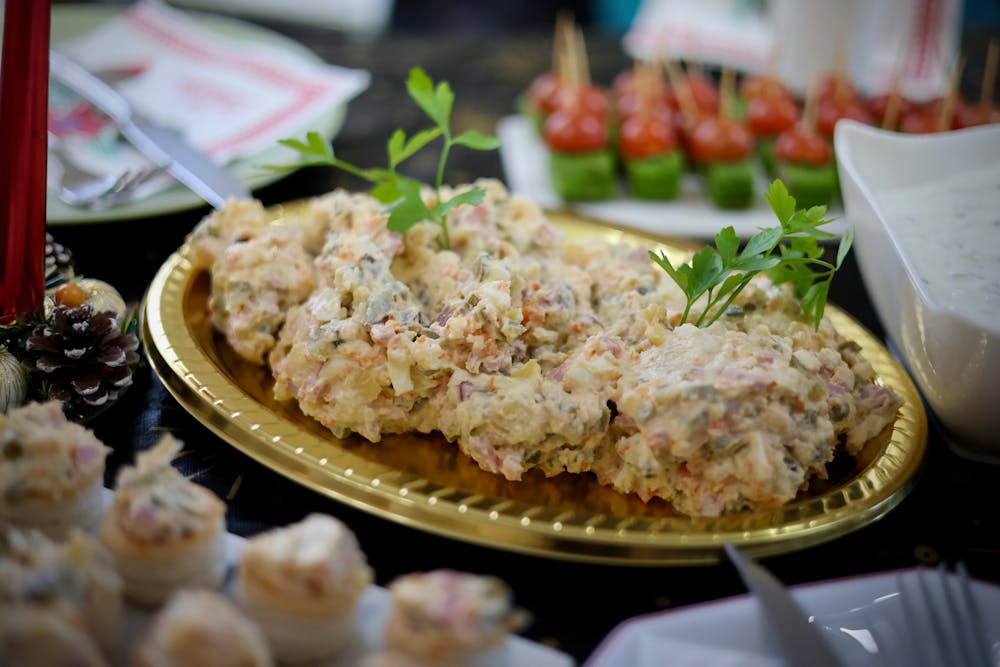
(720, 272)
(401, 194)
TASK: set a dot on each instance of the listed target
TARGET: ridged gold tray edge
(227, 410)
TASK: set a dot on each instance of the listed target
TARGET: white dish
(733, 631)
(371, 614)
(69, 21)
(526, 167)
(954, 357)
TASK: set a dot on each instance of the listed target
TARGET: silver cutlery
(164, 147)
(86, 189)
(942, 620)
(799, 640)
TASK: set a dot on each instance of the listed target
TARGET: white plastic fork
(942, 617)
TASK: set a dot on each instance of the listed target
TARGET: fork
(79, 187)
(106, 192)
(942, 617)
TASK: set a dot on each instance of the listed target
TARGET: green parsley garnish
(721, 272)
(400, 193)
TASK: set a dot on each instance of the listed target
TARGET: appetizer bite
(769, 111)
(63, 596)
(576, 133)
(803, 160)
(164, 531)
(52, 471)
(302, 584)
(201, 628)
(701, 90)
(837, 99)
(723, 147)
(647, 140)
(34, 635)
(446, 617)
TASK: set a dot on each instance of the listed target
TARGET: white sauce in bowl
(950, 231)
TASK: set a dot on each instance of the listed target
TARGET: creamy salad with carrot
(528, 349)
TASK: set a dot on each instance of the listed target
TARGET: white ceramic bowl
(953, 356)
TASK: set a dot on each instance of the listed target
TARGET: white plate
(371, 613)
(525, 163)
(69, 21)
(733, 632)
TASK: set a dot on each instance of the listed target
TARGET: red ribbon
(24, 96)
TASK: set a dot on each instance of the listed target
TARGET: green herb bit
(721, 272)
(400, 193)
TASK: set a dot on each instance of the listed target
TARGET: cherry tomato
(879, 106)
(830, 111)
(836, 87)
(544, 92)
(705, 95)
(645, 135)
(714, 139)
(624, 83)
(969, 115)
(919, 121)
(632, 103)
(573, 130)
(800, 146)
(768, 115)
(588, 99)
(758, 85)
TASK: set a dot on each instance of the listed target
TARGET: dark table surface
(951, 514)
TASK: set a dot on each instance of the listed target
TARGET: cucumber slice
(731, 184)
(811, 186)
(655, 177)
(583, 176)
(765, 151)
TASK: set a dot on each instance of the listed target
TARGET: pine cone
(58, 258)
(86, 359)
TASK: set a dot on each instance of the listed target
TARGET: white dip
(950, 230)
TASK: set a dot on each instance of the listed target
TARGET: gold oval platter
(426, 483)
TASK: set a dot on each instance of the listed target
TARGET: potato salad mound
(531, 350)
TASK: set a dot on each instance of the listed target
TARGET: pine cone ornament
(58, 258)
(85, 357)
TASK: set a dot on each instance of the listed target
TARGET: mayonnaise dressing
(950, 231)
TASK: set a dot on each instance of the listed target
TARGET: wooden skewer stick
(895, 101)
(727, 92)
(989, 75)
(571, 69)
(808, 120)
(563, 22)
(685, 98)
(840, 89)
(581, 59)
(563, 46)
(643, 84)
(946, 111)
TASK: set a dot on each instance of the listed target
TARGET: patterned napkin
(229, 97)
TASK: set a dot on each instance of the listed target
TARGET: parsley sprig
(400, 193)
(789, 253)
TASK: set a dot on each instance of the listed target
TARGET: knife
(161, 145)
(799, 640)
